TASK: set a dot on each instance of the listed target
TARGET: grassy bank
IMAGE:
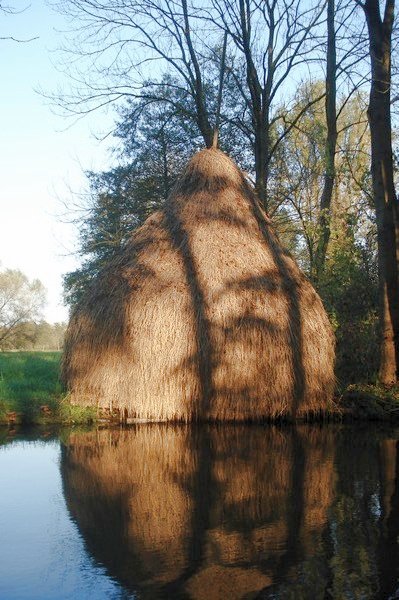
(30, 390)
(370, 402)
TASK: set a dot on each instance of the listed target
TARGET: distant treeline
(36, 336)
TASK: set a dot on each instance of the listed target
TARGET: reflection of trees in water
(356, 556)
(236, 512)
(361, 520)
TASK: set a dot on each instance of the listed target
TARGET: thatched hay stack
(203, 315)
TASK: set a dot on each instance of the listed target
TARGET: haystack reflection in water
(238, 512)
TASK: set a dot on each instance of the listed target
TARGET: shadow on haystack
(206, 358)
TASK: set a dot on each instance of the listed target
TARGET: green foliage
(116, 207)
(371, 402)
(160, 125)
(349, 290)
(348, 282)
(157, 139)
(297, 172)
(70, 413)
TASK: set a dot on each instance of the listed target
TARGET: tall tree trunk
(386, 202)
(330, 148)
(215, 140)
(261, 162)
(165, 169)
(259, 113)
(196, 83)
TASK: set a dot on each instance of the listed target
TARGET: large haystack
(203, 315)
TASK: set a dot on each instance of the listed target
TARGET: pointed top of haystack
(208, 169)
(213, 162)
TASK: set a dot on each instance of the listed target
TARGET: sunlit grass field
(31, 392)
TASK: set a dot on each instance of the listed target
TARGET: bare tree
(126, 46)
(20, 301)
(122, 48)
(274, 38)
(331, 142)
(8, 9)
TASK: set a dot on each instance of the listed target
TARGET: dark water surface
(200, 512)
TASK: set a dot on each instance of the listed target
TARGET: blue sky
(42, 155)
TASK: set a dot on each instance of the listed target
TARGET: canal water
(205, 512)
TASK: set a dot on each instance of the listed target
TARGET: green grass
(30, 390)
